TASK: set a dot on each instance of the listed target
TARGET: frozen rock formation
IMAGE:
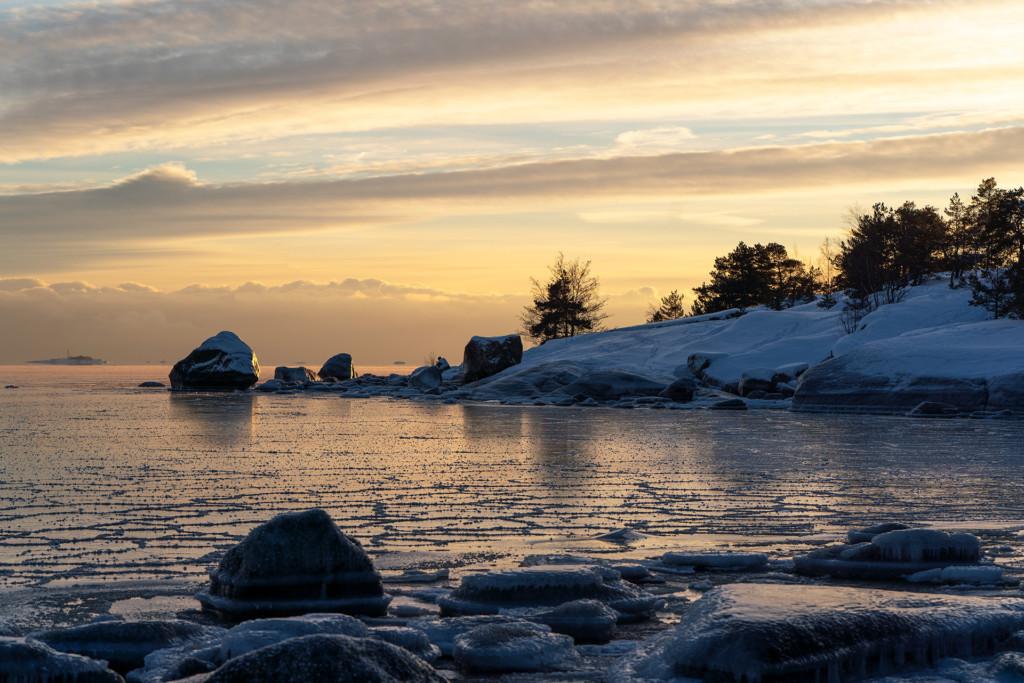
(514, 647)
(338, 367)
(28, 661)
(326, 659)
(724, 561)
(981, 575)
(426, 378)
(611, 385)
(442, 632)
(547, 586)
(756, 379)
(585, 621)
(680, 390)
(892, 555)
(124, 644)
(297, 562)
(221, 363)
(151, 385)
(412, 639)
(486, 356)
(752, 633)
(256, 633)
(868, 533)
(297, 375)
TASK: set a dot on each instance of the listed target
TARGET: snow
(755, 632)
(514, 647)
(28, 661)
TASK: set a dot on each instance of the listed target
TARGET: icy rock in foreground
(326, 659)
(486, 356)
(724, 561)
(412, 639)
(514, 647)
(298, 562)
(338, 367)
(866, 534)
(28, 661)
(755, 633)
(257, 633)
(585, 621)
(987, 575)
(296, 375)
(548, 586)
(221, 363)
(124, 644)
(892, 555)
(425, 378)
(442, 632)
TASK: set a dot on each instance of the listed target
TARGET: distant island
(398, 362)
(71, 360)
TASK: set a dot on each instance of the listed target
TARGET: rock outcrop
(426, 378)
(486, 356)
(221, 363)
(338, 367)
(298, 562)
(28, 661)
(297, 375)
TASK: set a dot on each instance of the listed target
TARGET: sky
(384, 178)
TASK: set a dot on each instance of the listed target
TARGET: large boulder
(298, 562)
(681, 390)
(221, 363)
(338, 367)
(515, 647)
(29, 661)
(297, 375)
(327, 659)
(757, 379)
(426, 378)
(486, 356)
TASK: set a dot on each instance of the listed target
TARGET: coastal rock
(681, 390)
(723, 561)
(28, 661)
(221, 363)
(338, 367)
(297, 375)
(412, 639)
(778, 632)
(585, 621)
(326, 659)
(442, 364)
(486, 356)
(151, 385)
(933, 409)
(426, 378)
(124, 644)
(256, 633)
(868, 533)
(612, 385)
(272, 385)
(297, 562)
(514, 648)
(442, 632)
(789, 372)
(757, 379)
(729, 404)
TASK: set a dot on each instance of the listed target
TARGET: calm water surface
(102, 481)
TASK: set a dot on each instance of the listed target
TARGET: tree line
(979, 242)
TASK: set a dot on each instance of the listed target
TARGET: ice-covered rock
(547, 586)
(326, 659)
(612, 385)
(486, 356)
(681, 390)
(442, 364)
(256, 633)
(514, 647)
(412, 639)
(338, 367)
(29, 661)
(150, 384)
(723, 561)
(296, 375)
(980, 575)
(934, 409)
(751, 633)
(124, 644)
(222, 362)
(891, 555)
(425, 378)
(271, 385)
(442, 632)
(298, 562)
(789, 372)
(756, 379)
(729, 404)
(866, 534)
(585, 621)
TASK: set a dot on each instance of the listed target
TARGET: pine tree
(566, 305)
(671, 308)
(758, 275)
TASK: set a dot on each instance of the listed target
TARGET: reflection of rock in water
(214, 419)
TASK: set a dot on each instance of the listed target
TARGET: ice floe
(514, 647)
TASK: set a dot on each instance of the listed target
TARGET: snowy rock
(585, 621)
(623, 535)
(425, 378)
(789, 372)
(680, 390)
(271, 385)
(222, 362)
(757, 379)
(150, 385)
(411, 639)
(547, 586)
(256, 633)
(298, 375)
(29, 661)
(442, 364)
(338, 367)
(729, 404)
(612, 385)
(698, 363)
(124, 644)
(891, 555)
(442, 632)
(515, 647)
(933, 409)
(868, 533)
(724, 561)
(297, 562)
(486, 356)
(778, 632)
(978, 575)
(326, 659)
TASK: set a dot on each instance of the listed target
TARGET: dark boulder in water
(426, 378)
(486, 356)
(681, 390)
(298, 562)
(151, 385)
(28, 661)
(296, 375)
(338, 367)
(327, 659)
(221, 363)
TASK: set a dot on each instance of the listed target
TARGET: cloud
(655, 140)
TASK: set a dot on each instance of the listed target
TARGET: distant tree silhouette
(997, 235)
(670, 308)
(762, 274)
(827, 279)
(568, 304)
